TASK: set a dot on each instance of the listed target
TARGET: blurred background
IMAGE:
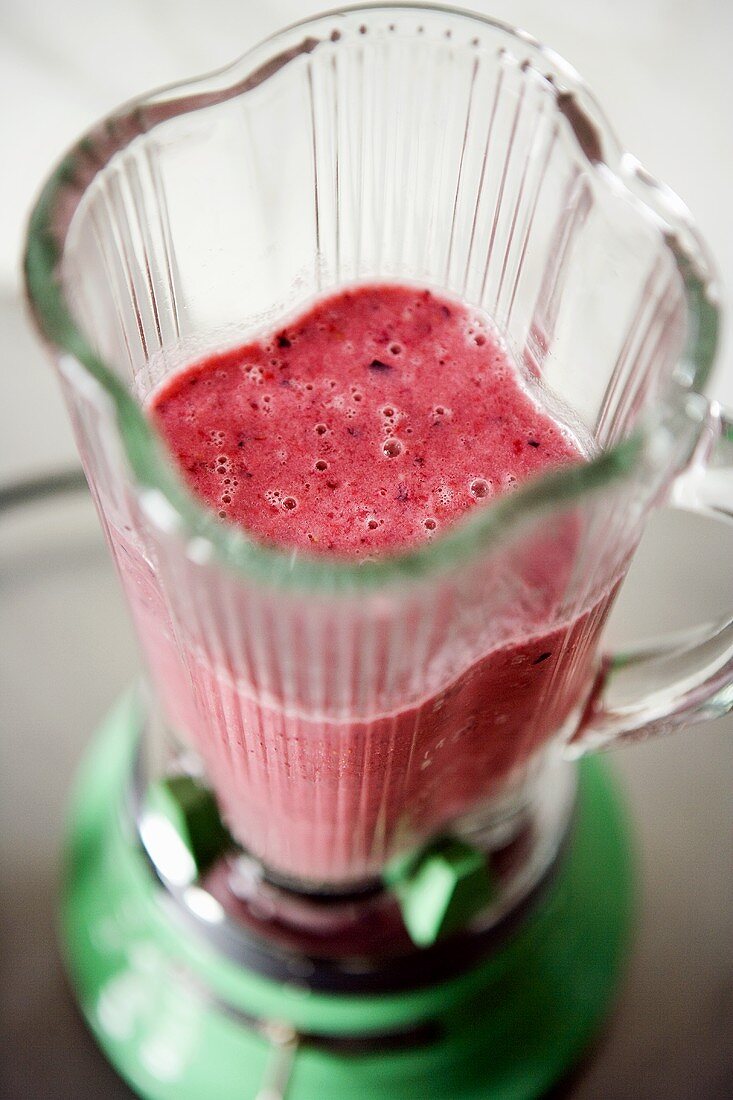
(661, 69)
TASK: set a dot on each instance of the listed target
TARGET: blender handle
(688, 677)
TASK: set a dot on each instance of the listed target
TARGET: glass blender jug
(354, 781)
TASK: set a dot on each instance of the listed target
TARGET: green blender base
(178, 1020)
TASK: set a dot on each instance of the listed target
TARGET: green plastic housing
(175, 1017)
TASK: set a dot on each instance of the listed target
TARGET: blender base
(180, 1021)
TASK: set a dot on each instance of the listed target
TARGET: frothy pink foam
(370, 423)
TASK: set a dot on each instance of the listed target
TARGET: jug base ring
(176, 1019)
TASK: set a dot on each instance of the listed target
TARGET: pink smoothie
(368, 425)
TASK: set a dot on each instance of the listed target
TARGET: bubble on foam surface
(440, 414)
(479, 487)
(478, 334)
(391, 448)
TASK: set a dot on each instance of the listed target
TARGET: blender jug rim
(166, 500)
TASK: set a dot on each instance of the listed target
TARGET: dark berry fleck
(532, 443)
(377, 364)
(542, 657)
(445, 311)
(282, 341)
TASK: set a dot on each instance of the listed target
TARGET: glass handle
(687, 677)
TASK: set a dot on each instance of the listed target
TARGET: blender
(295, 866)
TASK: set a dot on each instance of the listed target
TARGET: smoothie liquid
(365, 426)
